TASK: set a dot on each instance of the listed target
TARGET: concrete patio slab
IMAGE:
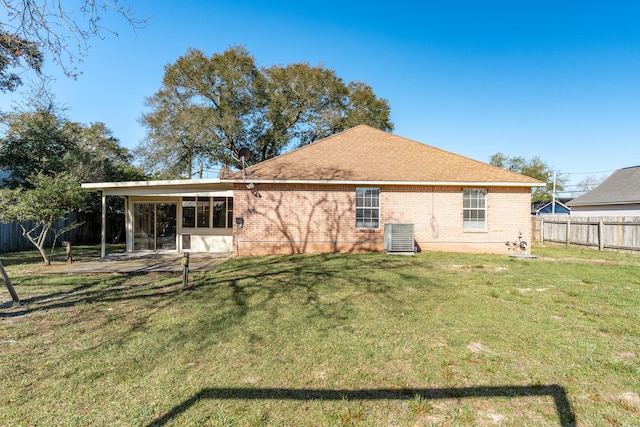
(137, 263)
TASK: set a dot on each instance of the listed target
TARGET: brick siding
(287, 218)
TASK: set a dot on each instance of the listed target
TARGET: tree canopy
(209, 107)
(42, 141)
(535, 168)
(32, 142)
(15, 53)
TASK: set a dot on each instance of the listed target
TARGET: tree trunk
(45, 256)
(38, 242)
(7, 282)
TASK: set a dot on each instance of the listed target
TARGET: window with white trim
(206, 212)
(368, 208)
(474, 209)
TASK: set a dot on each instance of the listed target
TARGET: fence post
(185, 270)
(541, 229)
(619, 239)
(568, 231)
(601, 234)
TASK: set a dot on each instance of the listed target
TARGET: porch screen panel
(166, 226)
(220, 214)
(189, 212)
(203, 212)
(143, 226)
(229, 212)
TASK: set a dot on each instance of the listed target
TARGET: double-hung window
(368, 208)
(474, 209)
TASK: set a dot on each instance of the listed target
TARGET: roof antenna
(244, 154)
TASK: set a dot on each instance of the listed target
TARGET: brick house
(335, 195)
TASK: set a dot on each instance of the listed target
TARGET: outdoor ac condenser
(399, 238)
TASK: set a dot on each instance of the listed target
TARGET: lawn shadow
(98, 288)
(566, 416)
(244, 286)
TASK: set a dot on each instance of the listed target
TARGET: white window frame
(227, 218)
(203, 201)
(474, 209)
(367, 208)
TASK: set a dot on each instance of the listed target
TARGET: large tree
(97, 155)
(44, 141)
(32, 142)
(210, 107)
(535, 168)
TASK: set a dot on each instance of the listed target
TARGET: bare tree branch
(60, 30)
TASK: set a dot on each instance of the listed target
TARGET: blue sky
(555, 79)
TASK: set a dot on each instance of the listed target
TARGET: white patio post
(103, 228)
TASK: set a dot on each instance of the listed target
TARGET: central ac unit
(399, 238)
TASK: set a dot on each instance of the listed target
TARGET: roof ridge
(297, 150)
(442, 150)
(370, 154)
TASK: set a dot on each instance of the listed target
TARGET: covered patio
(172, 216)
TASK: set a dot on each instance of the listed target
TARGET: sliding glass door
(154, 226)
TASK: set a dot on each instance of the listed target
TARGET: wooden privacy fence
(11, 238)
(603, 233)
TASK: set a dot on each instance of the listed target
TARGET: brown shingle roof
(365, 154)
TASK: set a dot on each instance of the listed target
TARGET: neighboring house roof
(366, 154)
(544, 206)
(622, 187)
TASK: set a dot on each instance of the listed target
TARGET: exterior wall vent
(399, 238)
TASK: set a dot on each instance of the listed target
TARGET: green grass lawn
(336, 340)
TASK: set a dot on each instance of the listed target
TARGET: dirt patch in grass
(466, 267)
(627, 355)
(478, 348)
(630, 401)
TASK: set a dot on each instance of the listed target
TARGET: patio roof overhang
(175, 187)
